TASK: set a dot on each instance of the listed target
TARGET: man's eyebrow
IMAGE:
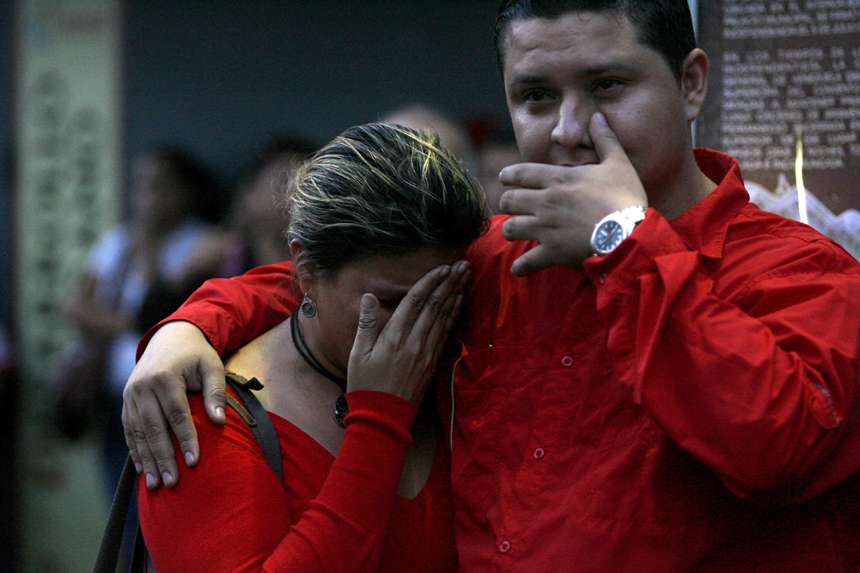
(609, 68)
(594, 71)
(525, 80)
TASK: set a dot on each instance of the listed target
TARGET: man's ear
(694, 82)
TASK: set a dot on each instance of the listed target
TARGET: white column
(69, 155)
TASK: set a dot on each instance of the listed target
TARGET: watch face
(609, 234)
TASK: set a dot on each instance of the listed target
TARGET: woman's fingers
(368, 328)
(434, 319)
(409, 310)
(400, 357)
(424, 339)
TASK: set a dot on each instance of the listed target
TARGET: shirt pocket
(485, 391)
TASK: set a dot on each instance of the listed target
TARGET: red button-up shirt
(687, 403)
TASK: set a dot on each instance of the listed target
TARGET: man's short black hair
(664, 25)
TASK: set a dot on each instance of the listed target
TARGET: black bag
(252, 412)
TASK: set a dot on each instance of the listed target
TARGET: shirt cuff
(634, 257)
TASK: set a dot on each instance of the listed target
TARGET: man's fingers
(606, 143)
(145, 425)
(520, 201)
(178, 357)
(177, 413)
(528, 175)
(531, 261)
(135, 423)
(211, 371)
(628, 189)
(169, 408)
(129, 435)
(521, 228)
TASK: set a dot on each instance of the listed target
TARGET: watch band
(635, 213)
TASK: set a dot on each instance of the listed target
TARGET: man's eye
(607, 85)
(535, 96)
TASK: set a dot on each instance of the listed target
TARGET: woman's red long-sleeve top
(230, 514)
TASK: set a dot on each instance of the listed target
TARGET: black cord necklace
(341, 408)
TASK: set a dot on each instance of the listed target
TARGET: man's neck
(692, 186)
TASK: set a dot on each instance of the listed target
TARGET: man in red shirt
(651, 374)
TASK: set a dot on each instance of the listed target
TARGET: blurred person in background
(452, 133)
(257, 219)
(138, 273)
(497, 151)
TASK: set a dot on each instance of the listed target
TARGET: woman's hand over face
(400, 358)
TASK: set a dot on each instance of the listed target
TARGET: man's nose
(571, 128)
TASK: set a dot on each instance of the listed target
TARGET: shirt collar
(703, 228)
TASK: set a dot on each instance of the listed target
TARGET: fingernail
(368, 303)
(138, 467)
(446, 270)
(167, 478)
(219, 411)
(601, 119)
(150, 481)
(189, 458)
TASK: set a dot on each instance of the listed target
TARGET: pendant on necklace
(341, 409)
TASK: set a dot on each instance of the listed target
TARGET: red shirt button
(504, 546)
(539, 453)
(567, 361)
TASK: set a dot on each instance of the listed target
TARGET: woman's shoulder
(261, 356)
(236, 433)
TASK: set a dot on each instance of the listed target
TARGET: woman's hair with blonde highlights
(381, 189)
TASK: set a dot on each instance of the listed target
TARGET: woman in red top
(379, 219)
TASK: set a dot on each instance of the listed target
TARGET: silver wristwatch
(614, 228)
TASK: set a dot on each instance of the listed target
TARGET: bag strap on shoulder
(257, 418)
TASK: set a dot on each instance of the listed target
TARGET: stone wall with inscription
(69, 150)
(782, 70)
(68, 105)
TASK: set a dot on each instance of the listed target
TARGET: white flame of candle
(798, 174)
